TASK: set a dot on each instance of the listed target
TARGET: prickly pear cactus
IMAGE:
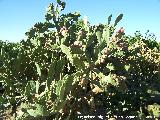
(66, 68)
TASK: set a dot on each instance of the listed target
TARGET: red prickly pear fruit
(80, 33)
(121, 30)
(63, 28)
(102, 60)
(76, 43)
(80, 44)
(105, 50)
(104, 56)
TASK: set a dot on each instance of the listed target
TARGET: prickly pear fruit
(121, 30)
(63, 30)
(77, 44)
(97, 90)
(105, 51)
(102, 60)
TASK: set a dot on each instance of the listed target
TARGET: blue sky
(17, 16)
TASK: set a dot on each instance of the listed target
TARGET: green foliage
(67, 67)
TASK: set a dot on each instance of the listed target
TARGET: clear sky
(17, 16)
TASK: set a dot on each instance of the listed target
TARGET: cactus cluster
(67, 67)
